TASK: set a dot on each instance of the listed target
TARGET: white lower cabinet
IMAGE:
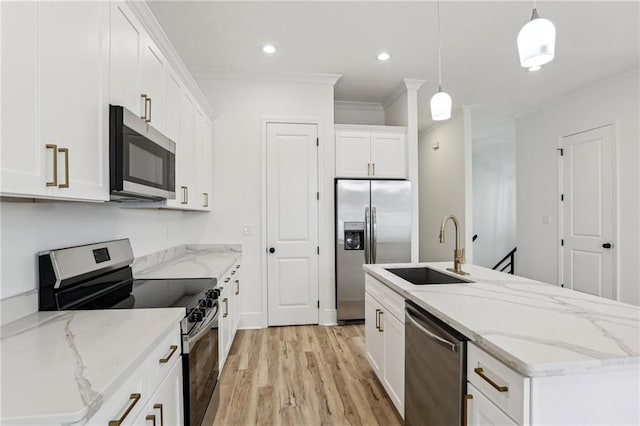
(482, 412)
(384, 339)
(152, 393)
(229, 315)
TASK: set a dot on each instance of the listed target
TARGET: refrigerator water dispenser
(354, 235)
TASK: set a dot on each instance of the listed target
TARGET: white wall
(494, 186)
(348, 112)
(443, 186)
(241, 107)
(28, 228)
(537, 179)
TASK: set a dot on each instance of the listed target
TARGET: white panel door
(372, 335)
(587, 167)
(152, 84)
(389, 155)
(185, 157)
(292, 223)
(172, 105)
(393, 370)
(22, 158)
(353, 154)
(73, 92)
(125, 58)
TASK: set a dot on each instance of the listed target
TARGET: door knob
(272, 250)
(606, 245)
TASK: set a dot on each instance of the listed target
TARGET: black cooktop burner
(167, 293)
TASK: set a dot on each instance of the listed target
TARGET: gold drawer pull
(148, 120)
(184, 195)
(165, 360)
(377, 319)
(226, 307)
(374, 169)
(54, 182)
(465, 413)
(144, 101)
(135, 397)
(159, 407)
(380, 329)
(206, 199)
(237, 286)
(368, 169)
(152, 418)
(65, 151)
(480, 372)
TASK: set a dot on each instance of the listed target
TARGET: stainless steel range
(99, 276)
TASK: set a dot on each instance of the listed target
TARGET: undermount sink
(426, 276)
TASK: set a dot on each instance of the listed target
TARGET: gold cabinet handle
(172, 350)
(144, 100)
(65, 151)
(186, 191)
(380, 329)
(135, 397)
(465, 412)
(226, 307)
(377, 319)
(206, 199)
(152, 418)
(148, 120)
(54, 182)
(237, 286)
(374, 169)
(159, 407)
(480, 372)
(184, 195)
(368, 169)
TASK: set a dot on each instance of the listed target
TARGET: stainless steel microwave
(142, 161)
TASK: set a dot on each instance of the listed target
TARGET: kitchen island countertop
(536, 328)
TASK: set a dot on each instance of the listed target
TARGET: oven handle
(204, 328)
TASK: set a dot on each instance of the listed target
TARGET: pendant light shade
(536, 42)
(441, 106)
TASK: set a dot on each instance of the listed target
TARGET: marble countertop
(187, 261)
(536, 328)
(58, 367)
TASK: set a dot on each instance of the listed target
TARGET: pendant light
(441, 101)
(536, 42)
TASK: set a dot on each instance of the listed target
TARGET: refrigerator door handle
(367, 237)
(374, 235)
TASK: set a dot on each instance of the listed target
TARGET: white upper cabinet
(59, 147)
(371, 152)
(203, 160)
(172, 102)
(126, 59)
(152, 84)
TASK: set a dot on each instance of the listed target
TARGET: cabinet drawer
(164, 356)
(392, 301)
(504, 387)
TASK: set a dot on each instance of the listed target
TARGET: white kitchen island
(576, 356)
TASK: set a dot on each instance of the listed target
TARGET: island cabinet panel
(384, 338)
(481, 411)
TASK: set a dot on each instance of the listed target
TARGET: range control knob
(195, 316)
(209, 302)
(217, 292)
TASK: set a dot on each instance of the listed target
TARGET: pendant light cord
(439, 49)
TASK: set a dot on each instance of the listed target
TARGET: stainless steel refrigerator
(373, 225)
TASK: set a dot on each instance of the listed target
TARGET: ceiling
(596, 41)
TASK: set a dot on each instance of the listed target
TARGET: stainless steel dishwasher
(435, 370)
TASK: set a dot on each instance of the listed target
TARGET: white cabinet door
(73, 65)
(393, 369)
(202, 185)
(482, 412)
(172, 89)
(373, 337)
(185, 155)
(165, 407)
(125, 58)
(389, 155)
(353, 154)
(235, 315)
(22, 157)
(152, 84)
(224, 324)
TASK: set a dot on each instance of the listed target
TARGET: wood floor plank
(303, 375)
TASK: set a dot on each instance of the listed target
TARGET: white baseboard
(328, 317)
(251, 320)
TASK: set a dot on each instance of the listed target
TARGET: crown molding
(607, 82)
(201, 73)
(358, 106)
(151, 24)
(405, 85)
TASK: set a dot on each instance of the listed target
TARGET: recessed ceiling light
(269, 48)
(384, 56)
(535, 68)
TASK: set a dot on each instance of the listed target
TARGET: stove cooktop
(170, 293)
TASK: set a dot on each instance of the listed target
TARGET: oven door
(142, 160)
(200, 368)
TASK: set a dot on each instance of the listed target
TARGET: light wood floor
(303, 375)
